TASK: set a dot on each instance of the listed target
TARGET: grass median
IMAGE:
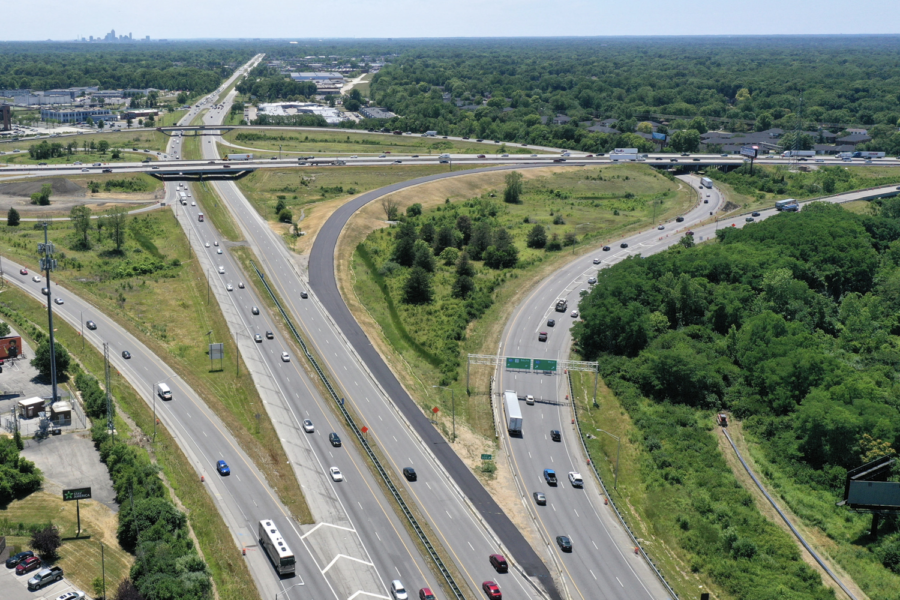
(216, 211)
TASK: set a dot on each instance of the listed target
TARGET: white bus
(275, 546)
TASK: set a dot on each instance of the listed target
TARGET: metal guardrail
(612, 503)
(445, 572)
(784, 518)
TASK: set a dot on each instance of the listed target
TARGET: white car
(59, 300)
(72, 596)
(36, 279)
(574, 314)
(193, 204)
(336, 474)
(219, 251)
(285, 357)
(308, 426)
(596, 261)
(241, 284)
(575, 479)
(215, 242)
(398, 591)
(207, 244)
(229, 288)
(221, 270)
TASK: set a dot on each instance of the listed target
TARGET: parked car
(15, 559)
(27, 565)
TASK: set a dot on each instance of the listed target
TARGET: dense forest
(731, 82)
(198, 67)
(793, 325)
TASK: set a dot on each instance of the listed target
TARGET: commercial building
(41, 99)
(373, 112)
(5, 117)
(285, 109)
(78, 115)
(140, 114)
(317, 76)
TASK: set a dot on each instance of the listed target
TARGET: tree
(389, 205)
(644, 127)
(285, 215)
(502, 254)
(537, 237)
(117, 222)
(513, 192)
(698, 124)
(46, 542)
(101, 124)
(127, 591)
(417, 288)
(4, 329)
(423, 256)
(763, 121)
(42, 198)
(444, 239)
(80, 216)
(414, 210)
(129, 121)
(12, 217)
(404, 248)
(685, 141)
(464, 226)
(41, 360)
(102, 146)
(481, 239)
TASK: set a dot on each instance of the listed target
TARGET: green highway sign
(77, 494)
(518, 363)
(486, 457)
(541, 364)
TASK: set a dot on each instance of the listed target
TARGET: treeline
(792, 324)
(267, 85)
(198, 67)
(784, 182)
(845, 80)
(166, 565)
(18, 475)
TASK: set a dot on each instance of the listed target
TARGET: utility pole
(48, 263)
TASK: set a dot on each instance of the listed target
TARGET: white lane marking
(620, 582)
(592, 573)
(595, 544)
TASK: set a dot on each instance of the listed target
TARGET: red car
(480, 156)
(492, 590)
(32, 563)
(425, 594)
(23, 271)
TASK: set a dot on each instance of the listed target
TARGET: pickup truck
(45, 576)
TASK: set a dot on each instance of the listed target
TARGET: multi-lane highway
(459, 525)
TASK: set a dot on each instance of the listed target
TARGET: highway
(455, 515)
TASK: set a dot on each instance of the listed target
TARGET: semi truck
(625, 151)
(861, 154)
(796, 153)
(706, 182)
(513, 413)
(789, 205)
(240, 157)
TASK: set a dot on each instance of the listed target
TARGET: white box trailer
(513, 413)
(240, 157)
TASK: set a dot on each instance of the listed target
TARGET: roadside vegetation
(440, 283)
(71, 148)
(351, 142)
(139, 270)
(790, 325)
(225, 564)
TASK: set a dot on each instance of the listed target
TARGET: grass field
(351, 142)
(594, 203)
(144, 139)
(216, 211)
(229, 570)
(166, 307)
(79, 558)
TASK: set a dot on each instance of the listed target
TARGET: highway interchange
(358, 521)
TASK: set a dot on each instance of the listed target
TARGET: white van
(163, 391)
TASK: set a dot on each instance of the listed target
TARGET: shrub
(46, 542)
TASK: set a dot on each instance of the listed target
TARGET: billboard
(751, 151)
(10, 347)
(518, 363)
(216, 351)
(874, 495)
(659, 136)
(77, 494)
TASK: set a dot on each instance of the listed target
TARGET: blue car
(222, 468)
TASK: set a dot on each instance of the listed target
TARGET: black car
(126, 354)
(565, 544)
(551, 322)
(334, 439)
(15, 559)
(695, 159)
(304, 295)
(606, 248)
(410, 474)
(91, 325)
(685, 154)
(679, 219)
(754, 214)
(554, 435)
(623, 245)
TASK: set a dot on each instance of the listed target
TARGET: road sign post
(518, 363)
(77, 494)
(541, 364)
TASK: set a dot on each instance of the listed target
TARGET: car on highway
(498, 561)
(229, 287)
(15, 559)
(91, 325)
(398, 592)
(45, 291)
(504, 156)
(550, 476)
(426, 594)
(85, 170)
(685, 154)
(592, 280)
(623, 245)
(207, 244)
(575, 479)
(36, 279)
(241, 284)
(480, 156)
(565, 544)
(336, 474)
(222, 468)
(574, 314)
(285, 357)
(334, 439)
(126, 354)
(754, 214)
(257, 338)
(673, 160)
(59, 300)
(540, 499)
(679, 219)
(551, 322)
(749, 219)
(304, 295)
(606, 248)
(555, 435)
(218, 251)
(597, 261)
(255, 310)
(193, 203)
(661, 227)
(221, 270)
(410, 474)
(308, 426)
(270, 335)
(542, 336)
(492, 590)
(32, 563)
(706, 201)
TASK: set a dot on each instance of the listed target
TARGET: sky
(305, 19)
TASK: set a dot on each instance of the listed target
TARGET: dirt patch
(816, 538)
(60, 185)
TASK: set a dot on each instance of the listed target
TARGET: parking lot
(15, 587)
